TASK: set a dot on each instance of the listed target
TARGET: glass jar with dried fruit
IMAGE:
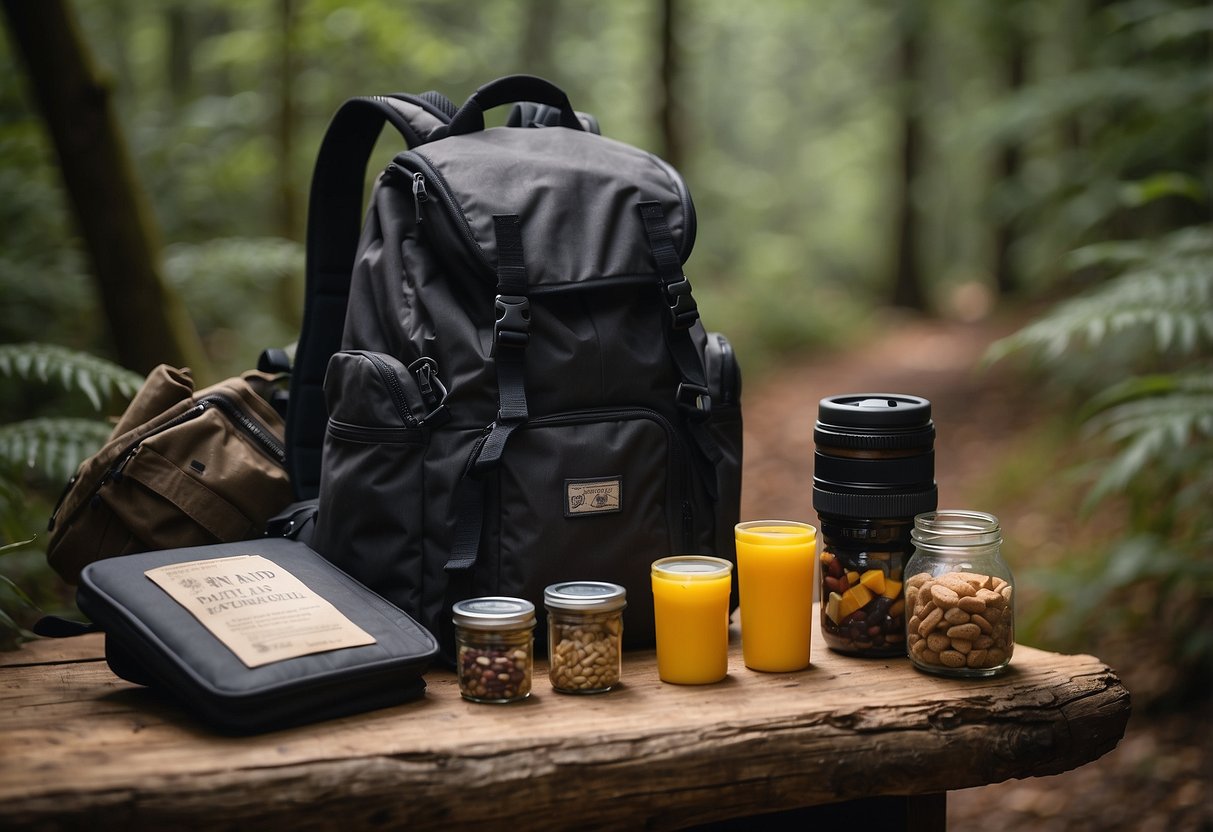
(873, 472)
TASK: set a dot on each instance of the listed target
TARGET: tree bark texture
(147, 320)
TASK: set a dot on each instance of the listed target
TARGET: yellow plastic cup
(776, 562)
(691, 611)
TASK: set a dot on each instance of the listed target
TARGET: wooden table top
(80, 747)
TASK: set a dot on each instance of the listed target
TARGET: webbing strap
(675, 288)
(334, 224)
(511, 333)
(692, 395)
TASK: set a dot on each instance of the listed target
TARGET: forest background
(853, 164)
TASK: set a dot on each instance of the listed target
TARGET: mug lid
(874, 410)
(692, 567)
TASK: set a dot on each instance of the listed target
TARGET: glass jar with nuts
(959, 595)
(585, 635)
(494, 648)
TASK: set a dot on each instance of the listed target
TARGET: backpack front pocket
(590, 495)
(371, 503)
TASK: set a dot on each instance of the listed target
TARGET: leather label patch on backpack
(596, 496)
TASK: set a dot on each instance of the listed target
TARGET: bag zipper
(262, 439)
(260, 434)
(393, 385)
(686, 514)
(419, 194)
(422, 194)
(374, 435)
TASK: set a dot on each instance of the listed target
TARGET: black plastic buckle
(513, 326)
(683, 310)
(694, 400)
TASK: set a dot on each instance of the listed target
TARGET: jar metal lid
(596, 596)
(495, 612)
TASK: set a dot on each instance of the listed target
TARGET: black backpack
(517, 385)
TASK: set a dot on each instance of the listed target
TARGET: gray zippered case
(152, 640)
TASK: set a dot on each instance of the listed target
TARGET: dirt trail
(974, 410)
(1160, 777)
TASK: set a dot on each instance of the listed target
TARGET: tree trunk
(535, 49)
(907, 279)
(667, 100)
(179, 60)
(147, 321)
(1006, 232)
(289, 219)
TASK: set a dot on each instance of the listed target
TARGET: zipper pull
(424, 375)
(115, 473)
(50, 526)
(419, 194)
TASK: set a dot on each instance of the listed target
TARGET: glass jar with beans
(959, 595)
(585, 635)
(494, 648)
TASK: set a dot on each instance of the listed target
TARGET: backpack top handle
(507, 90)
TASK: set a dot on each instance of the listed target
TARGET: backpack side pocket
(724, 386)
(371, 516)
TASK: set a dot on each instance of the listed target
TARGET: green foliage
(99, 380)
(49, 450)
(59, 445)
(1121, 127)
(1165, 292)
(1153, 432)
(243, 293)
(17, 610)
(37, 455)
(1164, 427)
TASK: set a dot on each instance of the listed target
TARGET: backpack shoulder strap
(334, 225)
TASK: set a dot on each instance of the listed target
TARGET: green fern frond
(1172, 299)
(1143, 387)
(1164, 428)
(95, 377)
(1192, 241)
(56, 447)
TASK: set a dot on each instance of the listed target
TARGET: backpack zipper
(393, 385)
(427, 172)
(260, 434)
(419, 194)
(374, 435)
